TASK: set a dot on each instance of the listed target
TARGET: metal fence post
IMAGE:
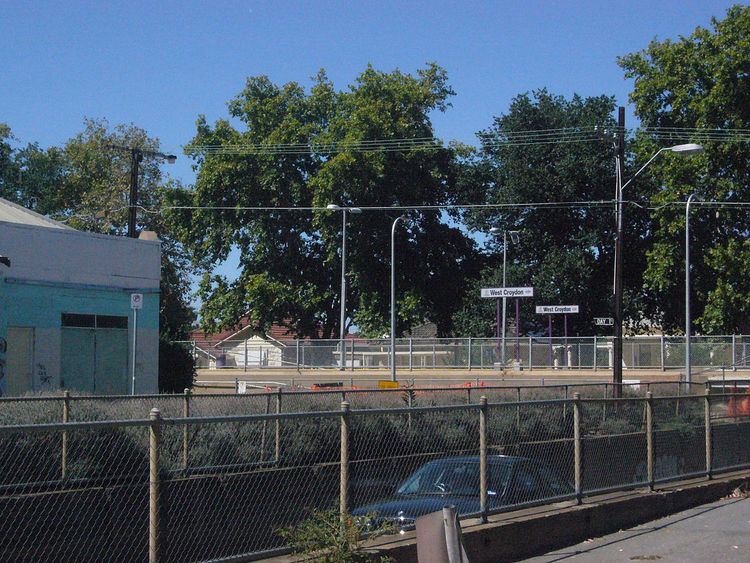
(709, 443)
(531, 357)
(260, 355)
(277, 452)
(468, 395)
(186, 430)
(650, 439)
(577, 445)
(595, 352)
(297, 354)
(411, 357)
(351, 354)
(661, 352)
(469, 356)
(734, 352)
(153, 485)
(518, 407)
(344, 474)
(65, 418)
(483, 457)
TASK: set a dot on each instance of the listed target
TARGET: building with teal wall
(65, 308)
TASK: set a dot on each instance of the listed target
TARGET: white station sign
(552, 309)
(495, 292)
(604, 321)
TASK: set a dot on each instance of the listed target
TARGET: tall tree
(290, 260)
(700, 81)
(565, 253)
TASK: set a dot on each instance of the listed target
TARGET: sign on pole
(552, 309)
(604, 321)
(497, 292)
(136, 301)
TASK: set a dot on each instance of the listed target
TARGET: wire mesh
(87, 504)
(242, 486)
(613, 444)
(730, 424)
(531, 448)
(386, 449)
(679, 437)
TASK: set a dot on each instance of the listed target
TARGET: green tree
(700, 81)
(565, 253)
(290, 260)
(86, 185)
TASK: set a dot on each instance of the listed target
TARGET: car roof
(496, 459)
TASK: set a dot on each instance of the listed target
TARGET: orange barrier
(738, 405)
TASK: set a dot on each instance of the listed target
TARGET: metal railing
(70, 407)
(202, 488)
(528, 352)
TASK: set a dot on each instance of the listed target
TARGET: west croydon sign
(552, 309)
(507, 292)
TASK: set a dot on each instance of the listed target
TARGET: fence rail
(196, 488)
(69, 407)
(530, 352)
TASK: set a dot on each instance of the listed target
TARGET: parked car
(455, 481)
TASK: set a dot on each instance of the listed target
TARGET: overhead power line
(494, 139)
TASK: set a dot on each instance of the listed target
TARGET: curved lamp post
(393, 295)
(342, 328)
(684, 149)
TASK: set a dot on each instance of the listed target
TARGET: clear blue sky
(160, 64)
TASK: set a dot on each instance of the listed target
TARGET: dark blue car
(455, 481)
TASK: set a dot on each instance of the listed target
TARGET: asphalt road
(717, 532)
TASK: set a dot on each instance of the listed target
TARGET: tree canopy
(564, 252)
(289, 260)
(700, 81)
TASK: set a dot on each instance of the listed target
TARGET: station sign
(495, 292)
(604, 321)
(553, 309)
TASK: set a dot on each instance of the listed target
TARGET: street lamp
(688, 374)
(355, 210)
(393, 295)
(684, 149)
(495, 232)
(136, 156)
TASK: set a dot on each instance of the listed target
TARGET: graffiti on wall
(45, 380)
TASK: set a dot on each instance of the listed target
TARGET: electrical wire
(488, 140)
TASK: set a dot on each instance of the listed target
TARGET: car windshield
(450, 477)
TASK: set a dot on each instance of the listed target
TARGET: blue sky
(160, 64)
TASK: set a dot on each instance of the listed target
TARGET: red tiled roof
(275, 331)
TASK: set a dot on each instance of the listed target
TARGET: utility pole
(136, 156)
(617, 305)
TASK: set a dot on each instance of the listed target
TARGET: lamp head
(333, 207)
(514, 237)
(355, 210)
(171, 158)
(496, 231)
(688, 148)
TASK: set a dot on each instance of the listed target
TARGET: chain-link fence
(208, 487)
(529, 352)
(40, 409)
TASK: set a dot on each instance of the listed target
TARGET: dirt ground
(220, 380)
